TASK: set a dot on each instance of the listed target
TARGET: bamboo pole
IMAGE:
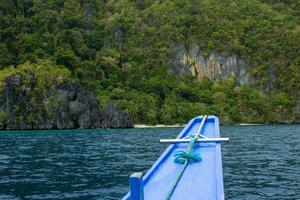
(205, 140)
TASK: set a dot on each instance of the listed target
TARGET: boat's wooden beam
(136, 186)
(204, 140)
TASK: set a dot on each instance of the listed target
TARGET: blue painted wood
(136, 186)
(201, 180)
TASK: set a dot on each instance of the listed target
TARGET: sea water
(259, 162)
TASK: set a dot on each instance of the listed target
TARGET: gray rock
(113, 117)
(192, 60)
(120, 36)
(64, 106)
(297, 110)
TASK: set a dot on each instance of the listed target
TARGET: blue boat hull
(201, 180)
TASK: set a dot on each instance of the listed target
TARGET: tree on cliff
(123, 51)
(44, 96)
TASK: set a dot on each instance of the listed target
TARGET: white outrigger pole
(198, 140)
(204, 139)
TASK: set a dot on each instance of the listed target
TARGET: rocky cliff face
(297, 110)
(63, 106)
(113, 117)
(214, 66)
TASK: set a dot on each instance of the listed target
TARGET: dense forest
(122, 50)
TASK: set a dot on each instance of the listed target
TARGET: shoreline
(152, 126)
(249, 124)
(158, 126)
(183, 125)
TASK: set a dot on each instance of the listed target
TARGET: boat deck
(200, 180)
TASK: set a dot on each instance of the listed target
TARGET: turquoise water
(260, 162)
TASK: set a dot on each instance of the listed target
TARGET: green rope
(184, 158)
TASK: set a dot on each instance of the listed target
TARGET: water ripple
(260, 162)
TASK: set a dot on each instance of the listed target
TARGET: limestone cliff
(23, 106)
(114, 117)
(191, 59)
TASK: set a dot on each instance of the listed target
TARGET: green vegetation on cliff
(30, 85)
(123, 50)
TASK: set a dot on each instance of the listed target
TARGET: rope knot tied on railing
(182, 156)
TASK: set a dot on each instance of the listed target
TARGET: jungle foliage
(122, 50)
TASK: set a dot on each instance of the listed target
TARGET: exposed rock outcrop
(297, 110)
(76, 107)
(63, 106)
(213, 66)
(113, 117)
